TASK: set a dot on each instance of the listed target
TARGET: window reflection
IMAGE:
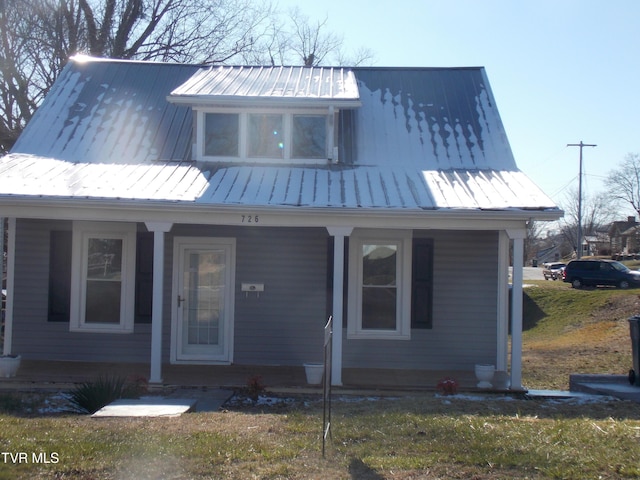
(266, 137)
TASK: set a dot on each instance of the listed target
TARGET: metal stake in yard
(326, 384)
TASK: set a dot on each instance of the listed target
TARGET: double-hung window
(102, 278)
(380, 279)
(265, 136)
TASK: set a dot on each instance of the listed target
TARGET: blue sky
(562, 71)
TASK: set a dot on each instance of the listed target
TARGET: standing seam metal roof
(423, 138)
(270, 82)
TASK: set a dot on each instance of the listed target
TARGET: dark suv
(600, 272)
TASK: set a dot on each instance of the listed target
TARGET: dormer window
(221, 135)
(267, 114)
(264, 136)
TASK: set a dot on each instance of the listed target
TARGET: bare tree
(298, 40)
(34, 47)
(597, 212)
(623, 184)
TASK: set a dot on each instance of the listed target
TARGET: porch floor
(51, 374)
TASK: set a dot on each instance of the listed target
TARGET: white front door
(203, 286)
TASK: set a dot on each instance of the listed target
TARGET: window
(380, 277)
(264, 136)
(103, 277)
(222, 134)
(309, 138)
(60, 248)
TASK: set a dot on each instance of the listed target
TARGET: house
(597, 244)
(623, 237)
(186, 214)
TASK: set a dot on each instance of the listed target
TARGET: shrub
(255, 387)
(89, 397)
(447, 386)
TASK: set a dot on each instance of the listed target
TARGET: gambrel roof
(418, 138)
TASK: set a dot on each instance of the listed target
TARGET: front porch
(35, 374)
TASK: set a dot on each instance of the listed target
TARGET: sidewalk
(613, 385)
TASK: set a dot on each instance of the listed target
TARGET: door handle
(180, 300)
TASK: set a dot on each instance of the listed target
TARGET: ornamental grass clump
(89, 397)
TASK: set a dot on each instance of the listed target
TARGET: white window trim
(402, 239)
(82, 231)
(287, 114)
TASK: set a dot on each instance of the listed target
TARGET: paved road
(532, 273)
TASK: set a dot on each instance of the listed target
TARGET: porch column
(158, 229)
(516, 308)
(11, 268)
(338, 234)
(502, 353)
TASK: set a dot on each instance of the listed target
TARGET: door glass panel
(204, 289)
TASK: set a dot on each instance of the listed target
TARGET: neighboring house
(182, 214)
(597, 244)
(547, 255)
(623, 236)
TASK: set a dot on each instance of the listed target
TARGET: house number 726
(249, 218)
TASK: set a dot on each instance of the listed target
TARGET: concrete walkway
(616, 386)
(174, 404)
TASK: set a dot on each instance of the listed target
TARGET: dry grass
(419, 437)
(415, 437)
(576, 331)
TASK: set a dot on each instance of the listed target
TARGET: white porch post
(11, 268)
(516, 308)
(158, 229)
(338, 234)
(502, 353)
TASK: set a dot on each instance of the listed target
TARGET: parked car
(600, 272)
(553, 271)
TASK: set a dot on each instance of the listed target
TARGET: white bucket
(314, 373)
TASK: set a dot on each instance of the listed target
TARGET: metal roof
(275, 84)
(423, 138)
(273, 186)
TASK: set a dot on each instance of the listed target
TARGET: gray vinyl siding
(36, 338)
(284, 324)
(464, 332)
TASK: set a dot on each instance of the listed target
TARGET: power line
(581, 145)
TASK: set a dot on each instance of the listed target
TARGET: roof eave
(226, 101)
(282, 215)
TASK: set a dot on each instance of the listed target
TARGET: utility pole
(579, 246)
